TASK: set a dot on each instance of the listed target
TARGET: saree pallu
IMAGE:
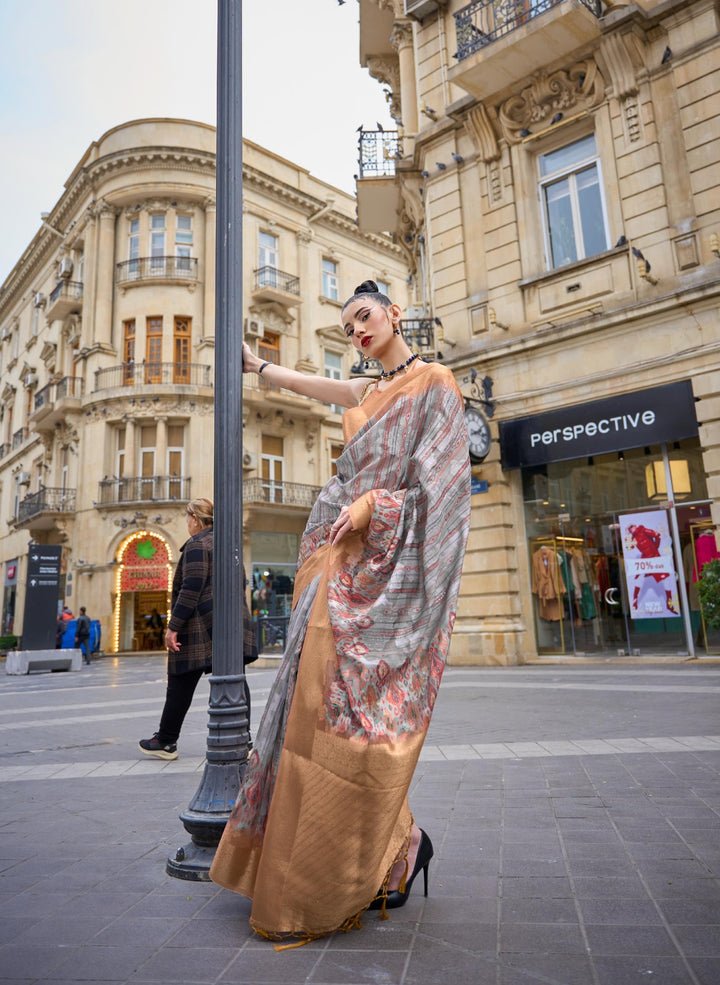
(322, 812)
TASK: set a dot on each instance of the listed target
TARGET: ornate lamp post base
(227, 751)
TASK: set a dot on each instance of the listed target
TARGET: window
(153, 350)
(134, 248)
(335, 453)
(35, 321)
(572, 198)
(120, 453)
(157, 243)
(148, 438)
(175, 459)
(330, 280)
(267, 260)
(129, 352)
(183, 241)
(272, 468)
(269, 351)
(181, 350)
(333, 371)
(383, 287)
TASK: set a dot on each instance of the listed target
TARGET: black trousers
(178, 698)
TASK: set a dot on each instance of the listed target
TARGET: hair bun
(367, 287)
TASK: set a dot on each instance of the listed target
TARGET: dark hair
(82, 610)
(369, 289)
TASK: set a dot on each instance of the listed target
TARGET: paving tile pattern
(566, 853)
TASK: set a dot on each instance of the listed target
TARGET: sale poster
(649, 567)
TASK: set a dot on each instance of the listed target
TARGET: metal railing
(378, 152)
(419, 332)
(148, 268)
(19, 436)
(144, 489)
(4, 449)
(288, 493)
(47, 500)
(484, 21)
(138, 374)
(68, 386)
(70, 289)
(278, 279)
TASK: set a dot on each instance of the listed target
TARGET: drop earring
(396, 330)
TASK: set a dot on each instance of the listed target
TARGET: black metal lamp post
(228, 736)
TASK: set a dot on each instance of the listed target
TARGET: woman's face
(369, 325)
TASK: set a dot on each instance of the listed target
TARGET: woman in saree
(322, 830)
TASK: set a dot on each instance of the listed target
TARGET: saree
(322, 812)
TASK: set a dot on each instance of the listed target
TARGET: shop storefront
(143, 583)
(617, 524)
(272, 580)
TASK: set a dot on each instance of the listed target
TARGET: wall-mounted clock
(478, 431)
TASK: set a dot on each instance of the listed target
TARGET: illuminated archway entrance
(142, 584)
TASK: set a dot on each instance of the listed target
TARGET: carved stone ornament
(620, 58)
(479, 125)
(401, 35)
(387, 71)
(410, 223)
(577, 88)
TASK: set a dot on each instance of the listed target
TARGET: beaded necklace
(400, 368)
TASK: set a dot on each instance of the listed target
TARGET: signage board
(649, 567)
(630, 420)
(41, 597)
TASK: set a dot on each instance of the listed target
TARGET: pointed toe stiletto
(395, 898)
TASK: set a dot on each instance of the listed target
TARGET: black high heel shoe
(395, 898)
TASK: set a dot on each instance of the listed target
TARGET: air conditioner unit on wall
(31, 379)
(66, 267)
(39, 300)
(249, 460)
(5, 334)
(23, 478)
(419, 9)
(254, 328)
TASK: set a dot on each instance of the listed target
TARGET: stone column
(402, 40)
(208, 329)
(161, 446)
(130, 439)
(105, 276)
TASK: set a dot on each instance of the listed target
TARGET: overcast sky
(72, 69)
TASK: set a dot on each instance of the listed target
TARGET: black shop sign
(631, 420)
(41, 597)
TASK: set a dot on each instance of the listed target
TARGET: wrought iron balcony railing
(139, 374)
(152, 268)
(4, 449)
(144, 489)
(19, 436)
(71, 290)
(277, 279)
(484, 21)
(288, 493)
(378, 152)
(46, 500)
(68, 386)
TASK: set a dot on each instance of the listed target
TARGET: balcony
(149, 374)
(423, 335)
(4, 449)
(168, 270)
(66, 299)
(143, 489)
(19, 437)
(265, 491)
(378, 195)
(502, 42)
(39, 510)
(53, 402)
(272, 285)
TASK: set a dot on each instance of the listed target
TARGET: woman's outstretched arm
(346, 393)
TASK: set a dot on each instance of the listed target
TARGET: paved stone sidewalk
(575, 816)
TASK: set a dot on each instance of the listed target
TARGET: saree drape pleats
(322, 812)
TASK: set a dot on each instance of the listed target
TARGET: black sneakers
(153, 747)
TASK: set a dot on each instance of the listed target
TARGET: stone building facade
(107, 325)
(554, 184)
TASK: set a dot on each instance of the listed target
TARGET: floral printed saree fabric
(323, 811)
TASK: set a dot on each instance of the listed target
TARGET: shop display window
(608, 552)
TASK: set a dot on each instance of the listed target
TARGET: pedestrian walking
(189, 633)
(322, 829)
(82, 634)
